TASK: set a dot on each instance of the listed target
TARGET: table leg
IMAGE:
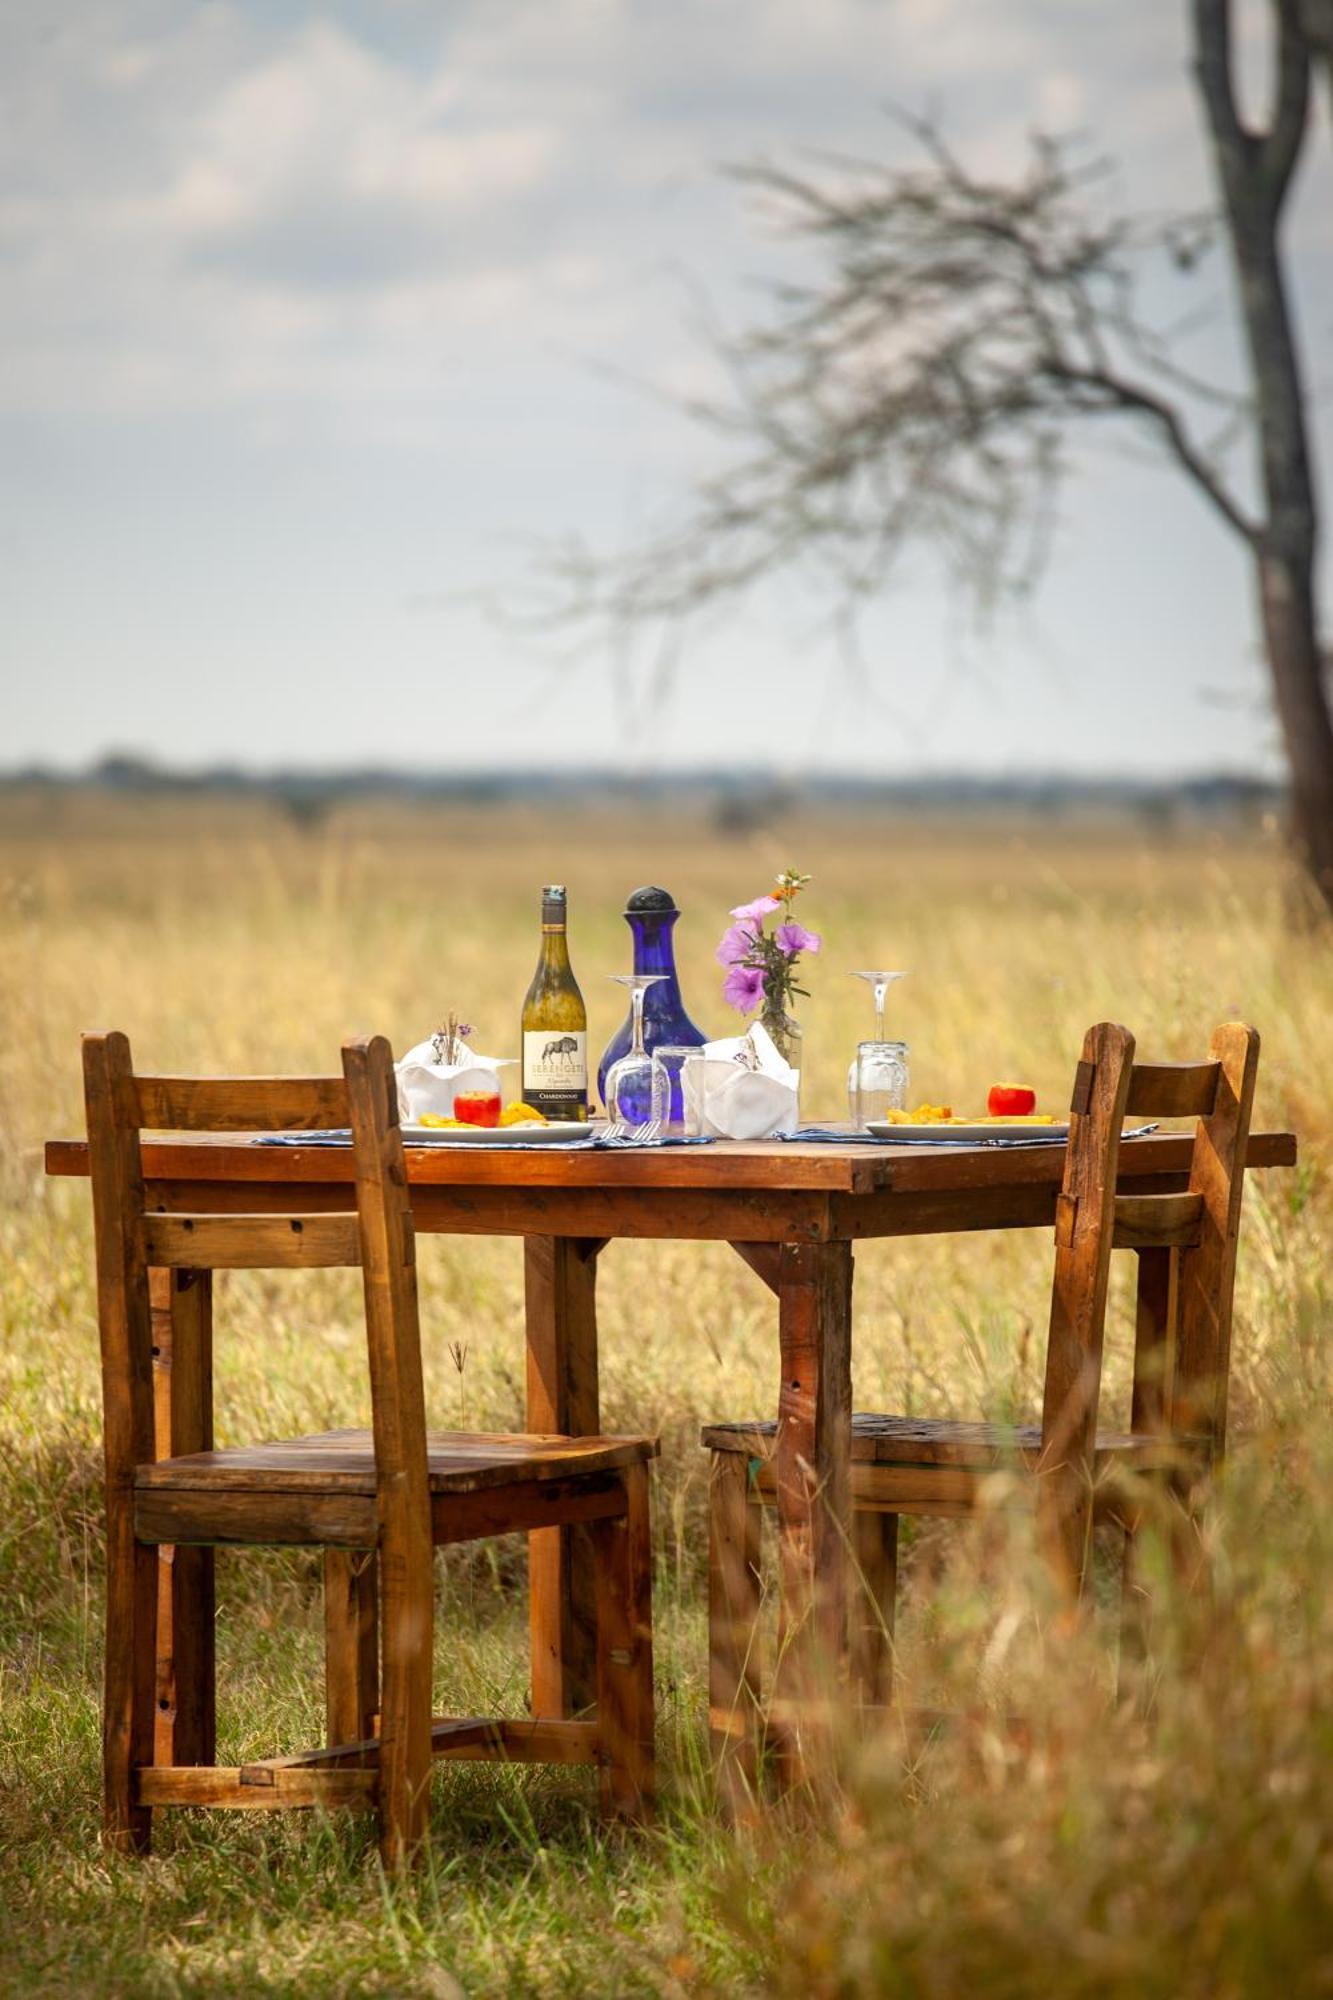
(182, 1320)
(814, 1472)
(560, 1276)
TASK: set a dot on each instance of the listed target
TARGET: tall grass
(1177, 1844)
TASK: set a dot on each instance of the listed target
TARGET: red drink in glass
(477, 1107)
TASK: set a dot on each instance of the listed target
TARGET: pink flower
(792, 938)
(743, 988)
(736, 944)
(761, 907)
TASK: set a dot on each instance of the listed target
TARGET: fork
(621, 1134)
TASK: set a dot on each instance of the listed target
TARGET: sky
(315, 321)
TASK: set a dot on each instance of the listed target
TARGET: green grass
(1177, 1841)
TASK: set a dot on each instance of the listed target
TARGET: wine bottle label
(555, 1071)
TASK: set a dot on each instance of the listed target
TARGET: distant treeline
(742, 796)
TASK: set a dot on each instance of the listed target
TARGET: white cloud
(327, 132)
(175, 210)
(219, 202)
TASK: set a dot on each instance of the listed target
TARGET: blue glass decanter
(651, 915)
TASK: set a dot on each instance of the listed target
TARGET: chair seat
(344, 1462)
(322, 1489)
(925, 1441)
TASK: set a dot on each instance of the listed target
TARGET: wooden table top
(733, 1166)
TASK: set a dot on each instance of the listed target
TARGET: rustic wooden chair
(1070, 1470)
(376, 1501)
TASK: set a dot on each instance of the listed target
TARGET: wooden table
(793, 1212)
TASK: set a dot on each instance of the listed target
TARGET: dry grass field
(1185, 1851)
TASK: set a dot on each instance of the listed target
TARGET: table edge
(884, 1171)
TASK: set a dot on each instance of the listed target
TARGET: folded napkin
(427, 1084)
(741, 1088)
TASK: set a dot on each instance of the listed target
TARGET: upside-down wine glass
(880, 982)
(637, 1092)
(877, 1077)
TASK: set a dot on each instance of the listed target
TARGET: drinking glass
(694, 1118)
(637, 1100)
(670, 1058)
(879, 983)
(878, 1082)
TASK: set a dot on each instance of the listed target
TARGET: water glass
(877, 1081)
(670, 1059)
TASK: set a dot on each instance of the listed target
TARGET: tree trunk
(1255, 171)
(1295, 662)
(1285, 547)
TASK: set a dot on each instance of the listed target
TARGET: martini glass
(877, 1078)
(637, 1090)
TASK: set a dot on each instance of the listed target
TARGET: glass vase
(786, 1034)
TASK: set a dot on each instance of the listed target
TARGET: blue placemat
(595, 1142)
(828, 1135)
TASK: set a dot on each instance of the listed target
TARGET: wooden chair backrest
(1199, 1227)
(374, 1234)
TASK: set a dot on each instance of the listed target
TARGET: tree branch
(1255, 166)
(1129, 396)
(1317, 21)
(1281, 147)
(1212, 66)
(915, 386)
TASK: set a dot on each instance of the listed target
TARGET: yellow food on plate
(1017, 1118)
(942, 1114)
(522, 1114)
(513, 1114)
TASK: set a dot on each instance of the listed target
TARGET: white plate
(496, 1135)
(965, 1135)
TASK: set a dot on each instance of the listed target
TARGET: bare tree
(1254, 170)
(926, 383)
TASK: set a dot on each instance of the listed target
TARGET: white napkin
(741, 1089)
(427, 1085)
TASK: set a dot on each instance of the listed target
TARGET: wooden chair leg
(733, 1625)
(1162, 1515)
(874, 1589)
(130, 1683)
(351, 1645)
(1064, 1526)
(1135, 1610)
(406, 1584)
(623, 1559)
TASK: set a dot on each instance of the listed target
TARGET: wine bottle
(555, 1023)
